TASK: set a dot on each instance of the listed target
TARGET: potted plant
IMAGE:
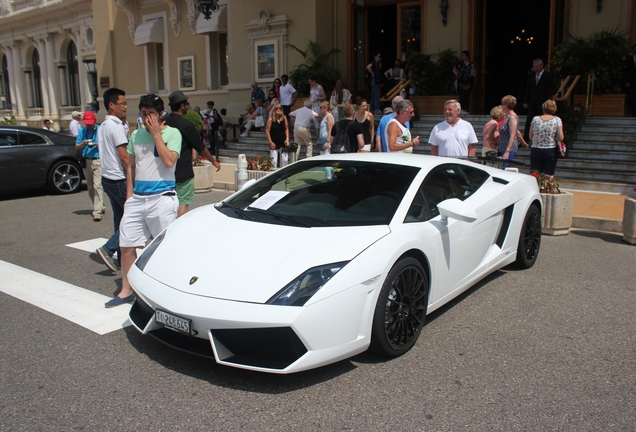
(203, 175)
(599, 59)
(433, 78)
(315, 63)
(572, 118)
(557, 205)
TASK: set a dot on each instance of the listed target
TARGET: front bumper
(266, 338)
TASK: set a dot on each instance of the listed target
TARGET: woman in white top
(396, 73)
(340, 96)
(546, 134)
(325, 128)
(316, 95)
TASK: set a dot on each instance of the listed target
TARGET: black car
(32, 158)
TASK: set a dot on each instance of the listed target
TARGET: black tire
(65, 177)
(401, 309)
(529, 239)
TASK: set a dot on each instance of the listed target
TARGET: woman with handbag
(546, 134)
(365, 118)
(277, 132)
(256, 118)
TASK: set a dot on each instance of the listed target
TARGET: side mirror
(456, 209)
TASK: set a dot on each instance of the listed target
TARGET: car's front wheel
(401, 309)
(64, 177)
(529, 238)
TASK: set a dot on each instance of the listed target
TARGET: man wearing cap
(75, 126)
(190, 139)
(87, 142)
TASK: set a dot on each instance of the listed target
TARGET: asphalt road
(550, 348)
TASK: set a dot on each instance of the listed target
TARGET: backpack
(341, 142)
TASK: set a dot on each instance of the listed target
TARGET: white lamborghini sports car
(332, 256)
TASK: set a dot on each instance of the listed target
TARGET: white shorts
(145, 216)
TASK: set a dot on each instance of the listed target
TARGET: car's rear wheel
(401, 309)
(64, 177)
(529, 238)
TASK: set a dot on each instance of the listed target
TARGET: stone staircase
(602, 157)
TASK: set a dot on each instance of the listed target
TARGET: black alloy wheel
(529, 239)
(65, 177)
(401, 309)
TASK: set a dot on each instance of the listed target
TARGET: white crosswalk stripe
(76, 304)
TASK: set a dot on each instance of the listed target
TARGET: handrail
(396, 90)
(570, 89)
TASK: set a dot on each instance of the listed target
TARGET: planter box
(203, 177)
(427, 105)
(608, 105)
(557, 213)
(251, 174)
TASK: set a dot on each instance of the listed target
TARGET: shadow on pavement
(608, 237)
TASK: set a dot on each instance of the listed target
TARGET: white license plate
(173, 322)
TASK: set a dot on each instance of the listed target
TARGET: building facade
(61, 55)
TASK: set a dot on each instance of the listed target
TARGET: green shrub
(194, 118)
(432, 74)
(316, 63)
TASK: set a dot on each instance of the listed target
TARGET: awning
(216, 24)
(149, 32)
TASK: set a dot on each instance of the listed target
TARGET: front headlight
(301, 289)
(150, 249)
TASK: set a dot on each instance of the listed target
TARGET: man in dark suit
(539, 88)
(630, 80)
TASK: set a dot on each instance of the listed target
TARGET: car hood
(241, 260)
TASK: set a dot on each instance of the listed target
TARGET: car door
(14, 162)
(462, 247)
(40, 153)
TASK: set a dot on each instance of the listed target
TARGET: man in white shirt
(287, 95)
(75, 126)
(453, 137)
(304, 117)
(112, 142)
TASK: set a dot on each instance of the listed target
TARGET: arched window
(5, 93)
(37, 80)
(73, 75)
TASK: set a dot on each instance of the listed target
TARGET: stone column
(17, 84)
(50, 82)
(41, 47)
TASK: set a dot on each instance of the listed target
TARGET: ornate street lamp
(207, 7)
(91, 69)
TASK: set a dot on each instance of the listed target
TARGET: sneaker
(108, 260)
(244, 135)
(97, 217)
(464, 112)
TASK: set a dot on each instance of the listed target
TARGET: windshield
(322, 192)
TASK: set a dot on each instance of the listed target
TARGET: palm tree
(316, 63)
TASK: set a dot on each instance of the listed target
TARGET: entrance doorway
(514, 34)
(391, 29)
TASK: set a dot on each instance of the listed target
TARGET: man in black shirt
(190, 139)
(356, 138)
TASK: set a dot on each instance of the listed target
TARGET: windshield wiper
(308, 221)
(240, 212)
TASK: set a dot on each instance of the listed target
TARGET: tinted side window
(27, 138)
(8, 138)
(475, 176)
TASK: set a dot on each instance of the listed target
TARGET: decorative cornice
(266, 25)
(192, 16)
(175, 16)
(130, 9)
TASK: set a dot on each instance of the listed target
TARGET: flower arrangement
(547, 185)
(260, 163)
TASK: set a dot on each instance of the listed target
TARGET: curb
(597, 224)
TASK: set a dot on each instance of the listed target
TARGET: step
(608, 129)
(611, 137)
(611, 121)
(606, 146)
